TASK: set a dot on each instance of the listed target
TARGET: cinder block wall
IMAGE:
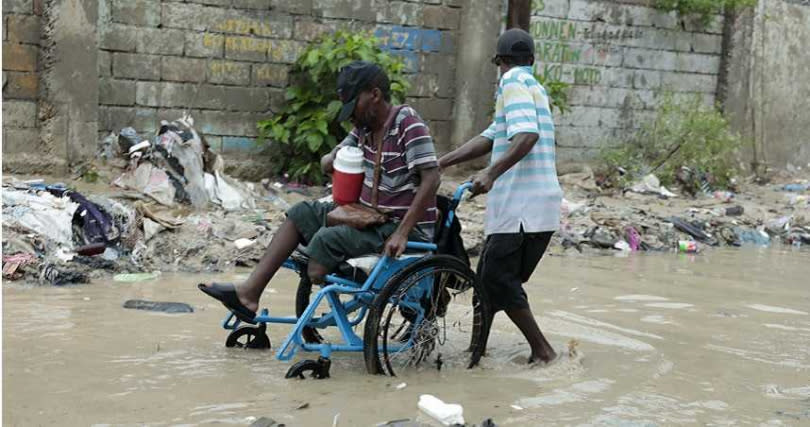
(228, 60)
(619, 58)
(21, 40)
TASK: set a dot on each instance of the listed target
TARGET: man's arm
(522, 131)
(519, 147)
(472, 149)
(328, 160)
(428, 186)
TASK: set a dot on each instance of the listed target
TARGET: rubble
(75, 232)
(647, 218)
(171, 208)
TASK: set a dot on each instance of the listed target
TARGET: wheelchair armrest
(422, 246)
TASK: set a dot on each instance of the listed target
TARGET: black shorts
(507, 261)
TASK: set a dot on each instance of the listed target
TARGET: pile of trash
(47, 226)
(176, 166)
(646, 216)
(175, 210)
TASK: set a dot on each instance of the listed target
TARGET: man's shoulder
(408, 119)
(408, 113)
(519, 75)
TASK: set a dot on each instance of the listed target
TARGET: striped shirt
(528, 194)
(407, 148)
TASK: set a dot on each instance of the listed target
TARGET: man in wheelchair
(407, 175)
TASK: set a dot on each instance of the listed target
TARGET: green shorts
(330, 246)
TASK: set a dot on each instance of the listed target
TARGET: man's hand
(482, 182)
(327, 162)
(395, 245)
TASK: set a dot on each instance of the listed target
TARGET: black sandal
(226, 294)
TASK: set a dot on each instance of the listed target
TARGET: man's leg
(533, 246)
(303, 221)
(506, 262)
(332, 245)
(281, 247)
(524, 320)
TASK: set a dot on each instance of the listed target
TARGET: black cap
(515, 42)
(353, 79)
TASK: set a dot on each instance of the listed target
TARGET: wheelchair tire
(318, 369)
(450, 327)
(253, 337)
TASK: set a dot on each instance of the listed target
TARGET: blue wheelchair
(424, 310)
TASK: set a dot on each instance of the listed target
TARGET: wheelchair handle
(456, 200)
(460, 191)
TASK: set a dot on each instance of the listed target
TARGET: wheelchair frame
(363, 294)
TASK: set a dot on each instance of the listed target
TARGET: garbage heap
(176, 166)
(171, 207)
(646, 216)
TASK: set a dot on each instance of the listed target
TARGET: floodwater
(719, 338)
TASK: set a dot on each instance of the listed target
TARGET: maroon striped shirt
(407, 147)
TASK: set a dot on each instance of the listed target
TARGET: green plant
(703, 9)
(306, 129)
(683, 134)
(557, 92)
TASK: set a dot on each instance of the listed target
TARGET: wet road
(719, 338)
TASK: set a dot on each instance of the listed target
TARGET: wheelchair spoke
(433, 309)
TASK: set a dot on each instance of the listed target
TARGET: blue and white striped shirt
(528, 194)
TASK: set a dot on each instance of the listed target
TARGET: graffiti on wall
(408, 42)
(573, 51)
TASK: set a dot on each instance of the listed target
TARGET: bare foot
(544, 358)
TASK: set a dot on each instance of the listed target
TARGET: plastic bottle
(633, 238)
(347, 180)
(445, 413)
(725, 196)
(687, 246)
(796, 187)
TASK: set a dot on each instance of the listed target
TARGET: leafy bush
(704, 9)
(686, 134)
(306, 129)
(557, 92)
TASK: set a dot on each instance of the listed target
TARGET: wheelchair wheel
(249, 337)
(430, 314)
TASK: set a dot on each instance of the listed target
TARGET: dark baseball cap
(516, 43)
(353, 79)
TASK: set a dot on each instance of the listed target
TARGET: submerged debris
(165, 307)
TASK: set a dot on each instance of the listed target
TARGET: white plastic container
(445, 413)
(347, 181)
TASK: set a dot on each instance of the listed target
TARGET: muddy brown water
(719, 338)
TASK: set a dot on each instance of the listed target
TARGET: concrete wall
(74, 70)
(228, 60)
(619, 57)
(768, 90)
(21, 69)
(77, 68)
(476, 77)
